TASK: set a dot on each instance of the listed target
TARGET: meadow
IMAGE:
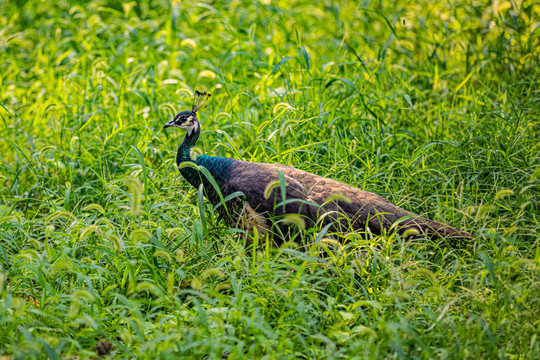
(106, 251)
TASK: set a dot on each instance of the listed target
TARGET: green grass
(434, 105)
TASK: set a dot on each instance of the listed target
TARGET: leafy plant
(106, 251)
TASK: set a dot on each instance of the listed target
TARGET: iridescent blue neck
(218, 167)
(184, 150)
(184, 155)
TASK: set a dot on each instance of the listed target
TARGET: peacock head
(187, 120)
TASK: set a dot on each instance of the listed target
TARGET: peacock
(262, 198)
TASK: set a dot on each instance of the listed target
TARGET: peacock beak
(169, 124)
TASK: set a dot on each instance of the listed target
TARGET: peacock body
(273, 191)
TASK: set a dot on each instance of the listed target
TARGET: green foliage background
(434, 105)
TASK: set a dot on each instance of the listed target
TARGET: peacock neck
(184, 150)
(218, 167)
(184, 154)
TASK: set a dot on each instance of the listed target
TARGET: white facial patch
(190, 125)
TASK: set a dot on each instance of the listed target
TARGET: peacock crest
(201, 98)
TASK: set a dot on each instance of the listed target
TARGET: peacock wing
(262, 188)
(346, 207)
(325, 201)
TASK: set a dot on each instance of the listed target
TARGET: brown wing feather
(361, 209)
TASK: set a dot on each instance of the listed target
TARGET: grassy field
(105, 250)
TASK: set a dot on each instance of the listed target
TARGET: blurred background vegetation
(434, 105)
